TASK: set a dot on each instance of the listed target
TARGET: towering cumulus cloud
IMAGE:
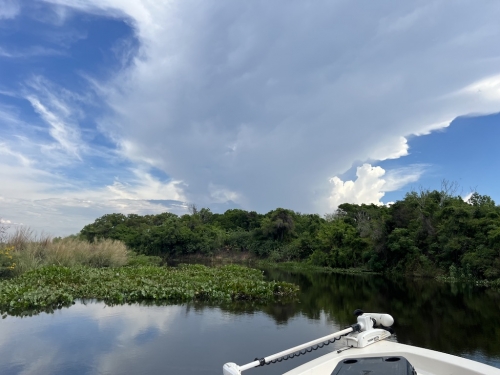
(371, 184)
(366, 189)
(270, 100)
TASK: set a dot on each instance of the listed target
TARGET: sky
(142, 106)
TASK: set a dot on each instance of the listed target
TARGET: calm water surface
(199, 338)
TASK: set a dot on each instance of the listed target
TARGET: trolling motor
(367, 334)
(363, 334)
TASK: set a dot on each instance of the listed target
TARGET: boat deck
(425, 362)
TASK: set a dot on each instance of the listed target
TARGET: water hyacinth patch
(53, 287)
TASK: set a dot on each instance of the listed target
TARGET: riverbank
(306, 267)
(495, 284)
(217, 258)
(53, 287)
(250, 260)
(303, 266)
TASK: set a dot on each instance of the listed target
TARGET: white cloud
(371, 184)
(467, 197)
(49, 202)
(6, 151)
(75, 207)
(394, 149)
(366, 189)
(146, 186)
(65, 216)
(59, 109)
(485, 90)
(219, 194)
(66, 136)
(20, 180)
(9, 9)
(395, 179)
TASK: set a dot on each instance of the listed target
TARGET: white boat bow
(368, 352)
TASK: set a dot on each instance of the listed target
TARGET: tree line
(427, 233)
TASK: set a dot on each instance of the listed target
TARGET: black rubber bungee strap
(302, 352)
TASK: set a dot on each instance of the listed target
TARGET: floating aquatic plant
(54, 286)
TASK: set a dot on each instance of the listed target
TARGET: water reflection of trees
(451, 318)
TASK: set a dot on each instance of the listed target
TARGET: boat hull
(425, 362)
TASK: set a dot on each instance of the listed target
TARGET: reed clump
(31, 251)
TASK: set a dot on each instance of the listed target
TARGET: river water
(198, 338)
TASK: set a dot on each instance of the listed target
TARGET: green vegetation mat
(53, 287)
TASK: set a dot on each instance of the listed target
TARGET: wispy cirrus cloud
(33, 51)
(6, 151)
(63, 132)
(61, 110)
(55, 181)
(397, 178)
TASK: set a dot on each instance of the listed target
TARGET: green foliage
(319, 259)
(423, 234)
(138, 260)
(53, 287)
(341, 241)
(7, 260)
(278, 225)
(235, 219)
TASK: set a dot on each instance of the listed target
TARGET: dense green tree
(426, 233)
(279, 224)
(235, 219)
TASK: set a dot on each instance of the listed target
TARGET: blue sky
(141, 107)
(465, 154)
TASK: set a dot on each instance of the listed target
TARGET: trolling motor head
(366, 333)
(369, 320)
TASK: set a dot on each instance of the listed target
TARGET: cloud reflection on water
(135, 339)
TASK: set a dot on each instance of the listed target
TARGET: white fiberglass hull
(425, 362)
(368, 351)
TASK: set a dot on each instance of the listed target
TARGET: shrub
(30, 252)
(7, 263)
(100, 253)
(137, 260)
(319, 258)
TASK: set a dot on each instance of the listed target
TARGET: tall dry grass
(32, 251)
